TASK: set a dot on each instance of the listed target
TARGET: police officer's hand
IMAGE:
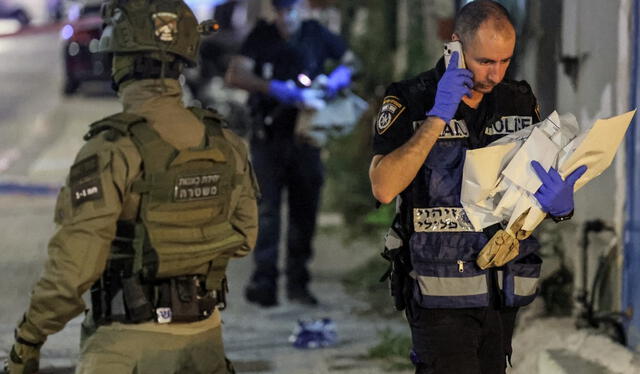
(452, 86)
(23, 359)
(339, 78)
(313, 99)
(556, 195)
(285, 92)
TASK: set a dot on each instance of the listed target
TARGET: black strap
(149, 68)
(26, 342)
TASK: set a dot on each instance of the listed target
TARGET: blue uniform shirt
(276, 58)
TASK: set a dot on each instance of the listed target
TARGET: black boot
(302, 295)
(259, 294)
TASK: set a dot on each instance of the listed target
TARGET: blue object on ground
(319, 333)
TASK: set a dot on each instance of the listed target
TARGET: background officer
(461, 316)
(270, 61)
(158, 200)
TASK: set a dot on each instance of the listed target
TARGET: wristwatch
(566, 217)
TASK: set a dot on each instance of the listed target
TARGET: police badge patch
(166, 25)
(390, 111)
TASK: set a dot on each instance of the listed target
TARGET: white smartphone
(451, 47)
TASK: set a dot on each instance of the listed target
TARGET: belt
(443, 219)
(178, 299)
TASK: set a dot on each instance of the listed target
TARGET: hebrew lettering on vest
(196, 187)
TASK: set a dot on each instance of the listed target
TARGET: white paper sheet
(499, 183)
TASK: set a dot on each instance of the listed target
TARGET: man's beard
(484, 87)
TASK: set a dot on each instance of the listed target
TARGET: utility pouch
(397, 285)
(397, 253)
(398, 277)
(219, 296)
(100, 302)
(137, 306)
(184, 304)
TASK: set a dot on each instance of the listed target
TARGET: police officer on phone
(274, 62)
(159, 199)
(461, 316)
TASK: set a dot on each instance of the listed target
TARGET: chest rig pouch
(172, 259)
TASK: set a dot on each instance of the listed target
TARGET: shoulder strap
(119, 122)
(213, 121)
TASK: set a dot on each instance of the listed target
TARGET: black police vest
(444, 245)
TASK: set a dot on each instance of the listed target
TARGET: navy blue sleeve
(253, 44)
(393, 125)
(335, 46)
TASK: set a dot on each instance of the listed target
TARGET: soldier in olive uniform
(158, 200)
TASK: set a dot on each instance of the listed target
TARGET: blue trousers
(282, 164)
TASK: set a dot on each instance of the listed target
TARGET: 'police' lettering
(509, 125)
(455, 129)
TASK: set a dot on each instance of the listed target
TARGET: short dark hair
(472, 15)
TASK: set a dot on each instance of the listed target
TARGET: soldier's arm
(244, 215)
(87, 210)
(390, 174)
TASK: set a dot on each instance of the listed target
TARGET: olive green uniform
(87, 216)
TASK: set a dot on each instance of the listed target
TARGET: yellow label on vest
(509, 125)
(196, 187)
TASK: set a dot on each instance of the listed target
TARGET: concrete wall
(576, 56)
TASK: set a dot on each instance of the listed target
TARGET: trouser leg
(446, 341)
(464, 341)
(116, 349)
(304, 186)
(269, 170)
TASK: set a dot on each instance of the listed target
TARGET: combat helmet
(139, 26)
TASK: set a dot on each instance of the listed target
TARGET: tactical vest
(443, 243)
(182, 226)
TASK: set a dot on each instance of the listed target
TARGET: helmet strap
(144, 67)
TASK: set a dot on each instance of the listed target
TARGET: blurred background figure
(277, 63)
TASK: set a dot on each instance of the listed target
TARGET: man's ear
(455, 37)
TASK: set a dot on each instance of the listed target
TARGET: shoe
(264, 296)
(302, 296)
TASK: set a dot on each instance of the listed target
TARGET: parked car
(13, 10)
(82, 60)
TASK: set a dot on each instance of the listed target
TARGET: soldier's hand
(23, 359)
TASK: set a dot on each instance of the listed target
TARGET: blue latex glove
(452, 86)
(339, 78)
(284, 92)
(556, 195)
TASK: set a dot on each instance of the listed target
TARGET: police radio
(451, 47)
